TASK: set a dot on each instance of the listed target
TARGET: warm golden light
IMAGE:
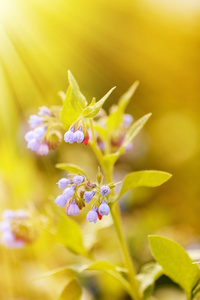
(177, 7)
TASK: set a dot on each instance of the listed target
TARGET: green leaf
(112, 270)
(103, 266)
(148, 178)
(74, 103)
(69, 114)
(135, 129)
(115, 118)
(71, 168)
(147, 277)
(92, 110)
(72, 291)
(196, 290)
(68, 233)
(175, 262)
(80, 99)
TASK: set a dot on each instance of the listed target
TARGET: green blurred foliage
(105, 44)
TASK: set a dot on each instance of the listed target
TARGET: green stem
(116, 216)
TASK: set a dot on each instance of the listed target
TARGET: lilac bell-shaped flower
(92, 215)
(73, 209)
(104, 209)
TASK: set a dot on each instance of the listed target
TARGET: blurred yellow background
(104, 43)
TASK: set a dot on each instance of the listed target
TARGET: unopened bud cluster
(17, 229)
(42, 138)
(78, 191)
(118, 135)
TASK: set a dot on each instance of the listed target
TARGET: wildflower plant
(110, 136)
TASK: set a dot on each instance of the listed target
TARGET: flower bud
(78, 179)
(63, 182)
(104, 209)
(105, 190)
(88, 195)
(73, 209)
(92, 215)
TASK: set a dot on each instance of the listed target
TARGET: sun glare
(5, 6)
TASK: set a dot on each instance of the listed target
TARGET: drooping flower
(88, 195)
(43, 149)
(103, 209)
(33, 144)
(78, 136)
(69, 136)
(61, 201)
(44, 111)
(72, 209)
(78, 179)
(69, 192)
(35, 121)
(63, 182)
(105, 190)
(92, 215)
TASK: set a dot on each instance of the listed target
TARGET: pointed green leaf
(148, 178)
(115, 118)
(103, 266)
(69, 114)
(79, 98)
(71, 168)
(92, 110)
(74, 103)
(68, 233)
(62, 95)
(147, 277)
(135, 129)
(112, 270)
(72, 291)
(175, 262)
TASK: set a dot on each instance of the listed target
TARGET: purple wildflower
(92, 215)
(78, 136)
(69, 136)
(104, 209)
(105, 190)
(72, 209)
(33, 144)
(69, 192)
(78, 179)
(61, 201)
(44, 111)
(88, 195)
(63, 182)
(35, 121)
(43, 149)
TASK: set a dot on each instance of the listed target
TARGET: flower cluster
(117, 138)
(41, 138)
(78, 191)
(77, 133)
(17, 229)
(118, 135)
